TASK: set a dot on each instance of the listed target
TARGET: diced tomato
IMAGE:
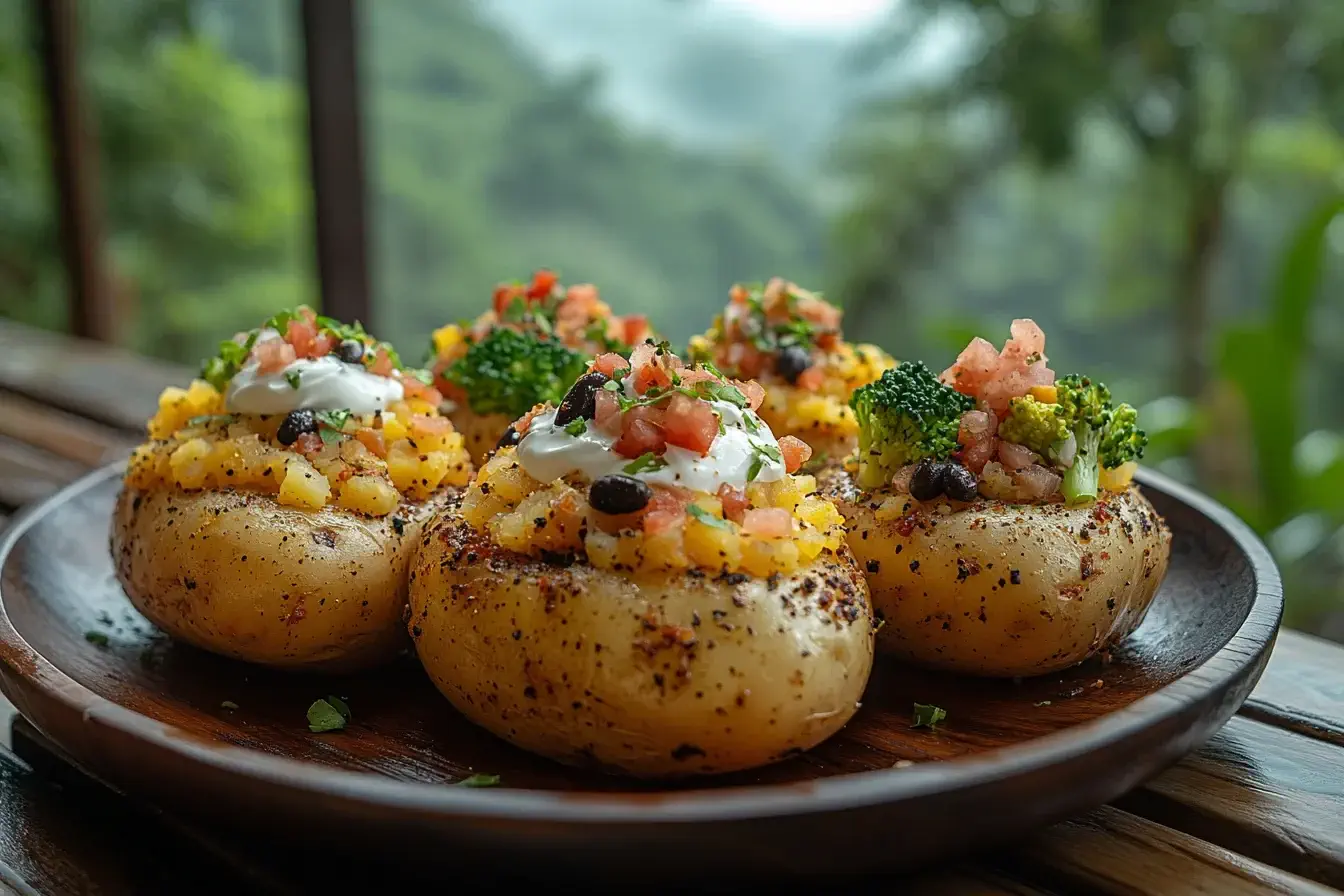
(820, 312)
(635, 328)
(753, 390)
(607, 417)
(323, 345)
(641, 433)
(795, 452)
(734, 502)
(609, 363)
(273, 355)
(690, 423)
(382, 364)
(416, 389)
(425, 425)
(651, 376)
(666, 510)
(372, 439)
(543, 282)
(504, 294)
(827, 341)
(811, 379)
(692, 375)
(745, 359)
(642, 355)
(738, 295)
(308, 444)
(768, 522)
(524, 423)
(308, 314)
(303, 336)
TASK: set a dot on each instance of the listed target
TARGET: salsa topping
(533, 342)
(777, 327)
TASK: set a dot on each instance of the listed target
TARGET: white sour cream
(324, 384)
(547, 452)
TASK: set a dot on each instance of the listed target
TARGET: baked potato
(524, 351)
(994, 512)
(679, 674)
(272, 513)
(235, 573)
(789, 339)
(1004, 590)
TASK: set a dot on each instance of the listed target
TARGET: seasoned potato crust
(677, 674)
(235, 573)
(1000, 589)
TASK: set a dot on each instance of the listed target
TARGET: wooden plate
(157, 719)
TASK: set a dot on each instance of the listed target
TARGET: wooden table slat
(1305, 692)
(64, 435)
(29, 474)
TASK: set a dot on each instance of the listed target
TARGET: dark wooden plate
(156, 719)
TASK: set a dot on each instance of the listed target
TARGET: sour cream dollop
(548, 452)
(323, 384)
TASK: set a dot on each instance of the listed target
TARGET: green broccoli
(1106, 435)
(508, 372)
(904, 417)
(1035, 424)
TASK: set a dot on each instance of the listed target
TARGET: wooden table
(1259, 810)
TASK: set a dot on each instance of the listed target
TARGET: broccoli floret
(508, 372)
(904, 417)
(1106, 435)
(1035, 424)
(1123, 441)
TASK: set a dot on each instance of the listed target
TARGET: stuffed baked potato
(272, 515)
(633, 588)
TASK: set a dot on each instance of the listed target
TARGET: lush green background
(1155, 181)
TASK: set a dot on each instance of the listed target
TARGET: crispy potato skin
(672, 676)
(480, 432)
(1006, 590)
(237, 574)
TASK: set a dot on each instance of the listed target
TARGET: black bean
(959, 483)
(581, 399)
(619, 493)
(926, 483)
(351, 351)
(792, 361)
(509, 438)
(295, 424)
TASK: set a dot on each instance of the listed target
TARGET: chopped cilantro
(480, 781)
(761, 453)
(97, 638)
(749, 421)
(709, 519)
(333, 419)
(927, 715)
(769, 451)
(206, 419)
(325, 715)
(723, 392)
(646, 462)
(292, 377)
(420, 373)
(576, 427)
(340, 706)
(228, 704)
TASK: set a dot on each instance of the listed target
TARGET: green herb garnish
(292, 377)
(646, 462)
(96, 638)
(228, 704)
(723, 392)
(576, 427)
(333, 419)
(480, 781)
(709, 519)
(927, 715)
(330, 714)
(206, 419)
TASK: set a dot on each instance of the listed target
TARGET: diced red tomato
(692, 375)
(753, 390)
(819, 312)
(738, 295)
(811, 379)
(795, 452)
(827, 341)
(416, 389)
(301, 335)
(734, 502)
(635, 329)
(524, 423)
(308, 444)
(543, 282)
(308, 314)
(768, 522)
(609, 363)
(651, 376)
(504, 294)
(641, 433)
(382, 363)
(642, 355)
(607, 417)
(665, 511)
(372, 439)
(690, 423)
(273, 355)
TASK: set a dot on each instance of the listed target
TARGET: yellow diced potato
(394, 428)
(368, 495)
(665, 550)
(190, 463)
(1118, 479)
(303, 486)
(818, 512)
(1045, 394)
(712, 546)
(447, 338)
(601, 549)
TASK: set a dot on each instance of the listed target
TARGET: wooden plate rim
(830, 794)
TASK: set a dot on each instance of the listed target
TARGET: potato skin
(1002, 590)
(237, 574)
(658, 677)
